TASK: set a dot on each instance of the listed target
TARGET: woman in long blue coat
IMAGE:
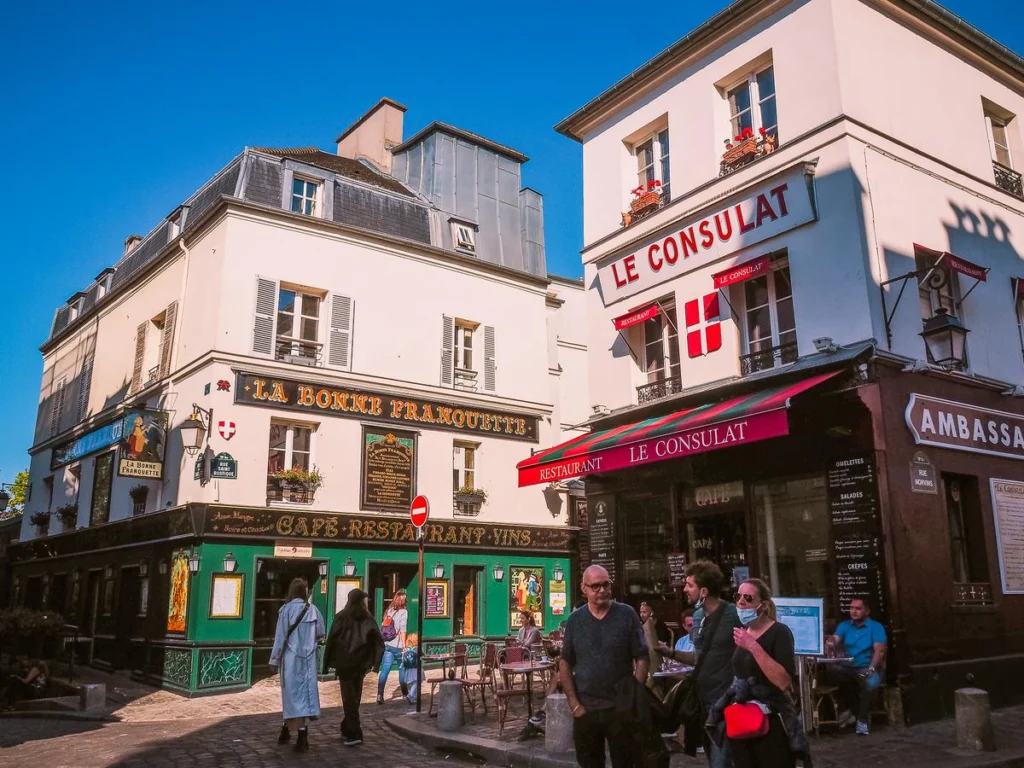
(300, 628)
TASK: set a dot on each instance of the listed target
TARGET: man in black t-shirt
(603, 645)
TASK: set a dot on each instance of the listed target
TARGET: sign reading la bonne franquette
(310, 397)
(963, 427)
(768, 210)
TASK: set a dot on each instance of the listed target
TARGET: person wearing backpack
(393, 629)
(300, 628)
(354, 647)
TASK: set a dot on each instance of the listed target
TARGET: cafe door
(714, 527)
(388, 578)
(273, 577)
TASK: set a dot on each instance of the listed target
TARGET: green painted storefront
(128, 583)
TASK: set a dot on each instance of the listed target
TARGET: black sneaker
(380, 699)
(353, 742)
(285, 736)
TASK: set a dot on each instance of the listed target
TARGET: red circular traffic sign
(420, 511)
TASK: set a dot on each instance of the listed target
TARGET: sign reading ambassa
(963, 427)
(309, 397)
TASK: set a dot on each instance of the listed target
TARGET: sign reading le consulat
(964, 427)
(309, 397)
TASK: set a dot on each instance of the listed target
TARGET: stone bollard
(557, 723)
(92, 696)
(450, 714)
(974, 720)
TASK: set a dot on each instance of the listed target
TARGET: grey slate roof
(352, 169)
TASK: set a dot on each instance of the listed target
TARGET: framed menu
(226, 596)
(436, 605)
(1008, 511)
(805, 617)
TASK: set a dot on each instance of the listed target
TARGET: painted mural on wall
(143, 439)
(527, 594)
(177, 607)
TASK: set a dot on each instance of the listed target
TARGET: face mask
(747, 615)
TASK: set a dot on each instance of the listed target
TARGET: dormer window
(464, 237)
(304, 196)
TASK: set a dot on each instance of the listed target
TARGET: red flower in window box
(762, 131)
(747, 133)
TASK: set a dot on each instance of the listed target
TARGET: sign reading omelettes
(285, 524)
(309, 397)
(766, 211)
(963, 427)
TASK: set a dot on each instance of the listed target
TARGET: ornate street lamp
(499, 572)
(195, 429)
(438, 571)
(350, 568)
(322, 568)
(193, 562)
(558, 573)
(230, 563)
(946, 338)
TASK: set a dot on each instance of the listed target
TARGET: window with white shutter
(167, 338)
(58, 406)
(263, 322)
(489, 366)
(447, 351)
(84, 388)
(340, 352)
(140, 356)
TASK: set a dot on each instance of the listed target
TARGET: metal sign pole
(420, 534)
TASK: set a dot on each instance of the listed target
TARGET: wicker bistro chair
(483, 680)
(458, 665)
(509, 689)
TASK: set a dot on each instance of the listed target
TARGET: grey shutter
(266, 315)
(84, 388)
(489, 368)
(167, 338)
(339, 354)
(140, 356)
(447, 351)
(58, 407)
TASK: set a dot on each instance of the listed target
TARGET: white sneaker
(846, 719)
(862, 729)
(353, 742)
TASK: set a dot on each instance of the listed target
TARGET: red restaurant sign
(748, 429)
(957, 264)
(635, 317)
(741, 272)
(767, 210)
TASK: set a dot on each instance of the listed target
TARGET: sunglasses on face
(597, 585)
(741, 598)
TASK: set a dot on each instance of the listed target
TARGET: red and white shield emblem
(226, 429)
(703, 329)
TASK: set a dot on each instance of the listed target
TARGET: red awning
(955, 263)
(741, 272)
(636, 316)
(741, 420)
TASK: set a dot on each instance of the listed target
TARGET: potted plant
(645, 198)
(469, 500)
(139, 493)
(744, 147)
(41, 520)
(68, 514)
(295, 484)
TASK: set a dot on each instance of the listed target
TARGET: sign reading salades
(963, 427)
(778, 205)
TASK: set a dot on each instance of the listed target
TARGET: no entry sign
(419, 511)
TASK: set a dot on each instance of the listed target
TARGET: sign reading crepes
(766, 211)
(326, 400)
(963, 427)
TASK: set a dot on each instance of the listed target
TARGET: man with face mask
(713, 623)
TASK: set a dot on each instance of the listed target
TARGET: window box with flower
(295, 485)
(41, 520)
(646, 198)
(468, 501)
(68, 514)
(745, 148)
(139, 494)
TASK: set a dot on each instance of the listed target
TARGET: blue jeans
(718, 756)
(858, 693)
(407, 678)
(392, 656)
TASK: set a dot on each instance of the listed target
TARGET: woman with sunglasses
(765, 665)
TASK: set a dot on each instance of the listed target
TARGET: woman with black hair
(355, 646)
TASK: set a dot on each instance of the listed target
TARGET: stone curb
(493, 751)
(81, 717)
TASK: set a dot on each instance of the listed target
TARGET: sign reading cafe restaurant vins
(311, 397)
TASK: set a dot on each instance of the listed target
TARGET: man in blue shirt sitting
(865, 641)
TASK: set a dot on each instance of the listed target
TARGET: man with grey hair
(602, 646)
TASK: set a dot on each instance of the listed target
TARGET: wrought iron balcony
(658, 389)
(299, 351)
(1008, 180)
(968, 593)
(767, 359)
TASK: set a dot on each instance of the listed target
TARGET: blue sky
(113, 113)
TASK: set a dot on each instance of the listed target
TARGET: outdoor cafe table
(808, 667)
(526, 669)
(673, 670)
(444, 658)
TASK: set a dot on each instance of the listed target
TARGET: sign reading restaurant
(310, 397)
(777, 206)
(963, 427)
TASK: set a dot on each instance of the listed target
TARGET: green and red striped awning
(741, 420)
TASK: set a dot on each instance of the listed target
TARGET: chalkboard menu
(856, 538)
(602, 535)
(389, 469)
(582, 521)
(677, 569)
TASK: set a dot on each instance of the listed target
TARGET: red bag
(745, 721)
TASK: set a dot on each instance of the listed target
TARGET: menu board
(805, 618)
(856, 538)
(1008, 508)
(677, 569)
(602, 535)
(583, 523)
(389, 469)
(436, 606)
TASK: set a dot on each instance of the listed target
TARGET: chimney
(130, 242)
(374, 134)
